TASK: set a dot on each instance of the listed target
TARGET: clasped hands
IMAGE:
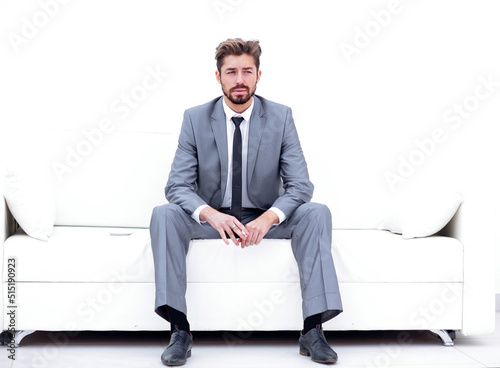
(229, 226)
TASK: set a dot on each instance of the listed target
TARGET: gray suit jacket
(277, 171)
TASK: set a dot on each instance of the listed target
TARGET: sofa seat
(87, 275)
(93, 254)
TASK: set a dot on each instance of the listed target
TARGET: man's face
(238, 78)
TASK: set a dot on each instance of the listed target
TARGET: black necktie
(237, 164)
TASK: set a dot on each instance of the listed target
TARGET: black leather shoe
(314, 344)
(179, 348)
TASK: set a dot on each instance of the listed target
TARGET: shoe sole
(306, 353)
(175, 364)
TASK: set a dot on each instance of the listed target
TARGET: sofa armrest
(7, 227)
(3, 235)
(3, 222)
(8, 224)
(474, 225)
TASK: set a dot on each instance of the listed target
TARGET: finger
(239, 239)
(253, 235)
(230, 232)
(246, 241)
(256, 233)
(259, 238)
(237, 225)
(243, 238)
(235, 230)
(241, 232)
(235, 235)
(223, 236)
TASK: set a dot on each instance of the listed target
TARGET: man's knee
(166, 210)
(317, 211)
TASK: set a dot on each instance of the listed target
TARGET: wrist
(205, 213)
(271, 217)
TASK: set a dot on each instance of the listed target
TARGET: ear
(217, 76)
(258, 75)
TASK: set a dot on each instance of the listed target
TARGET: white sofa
(86, 278)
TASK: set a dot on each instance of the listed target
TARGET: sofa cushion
(115, 182)
(422, 213)
(91, 254)
(380, 256)
(117, 178)
(30, 199)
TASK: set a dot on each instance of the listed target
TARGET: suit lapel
(219, 129)
(256, 129)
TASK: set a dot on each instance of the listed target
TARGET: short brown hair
(236, 46)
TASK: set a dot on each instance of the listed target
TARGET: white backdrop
(389, 94)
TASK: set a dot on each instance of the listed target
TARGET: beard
(241, 99)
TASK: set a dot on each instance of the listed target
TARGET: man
(239, 174)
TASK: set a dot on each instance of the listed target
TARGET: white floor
(277, 349)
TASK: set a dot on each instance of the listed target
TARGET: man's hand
(258, 228)
(224, 224)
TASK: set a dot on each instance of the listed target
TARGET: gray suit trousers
(309, 228)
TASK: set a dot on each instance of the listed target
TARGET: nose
(239, 77)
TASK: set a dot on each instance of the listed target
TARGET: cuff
(196, 214)
(279, 213)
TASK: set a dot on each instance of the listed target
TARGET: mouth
(239, 90)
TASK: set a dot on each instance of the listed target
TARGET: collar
(230, 113)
